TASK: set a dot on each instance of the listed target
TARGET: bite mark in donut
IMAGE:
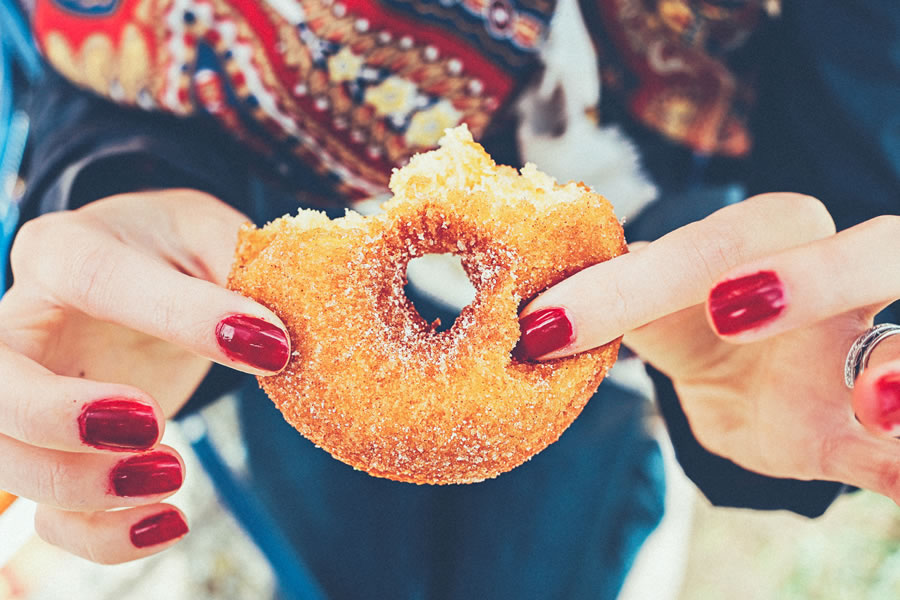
(371, 381)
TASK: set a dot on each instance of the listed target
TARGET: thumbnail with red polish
(254, 342)
(118, 424)
(887, 389)
(746, 302)
(543, 332)
(158, 529)
(146, 475)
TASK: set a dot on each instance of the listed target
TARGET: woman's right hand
(116, 312)
(751, 313)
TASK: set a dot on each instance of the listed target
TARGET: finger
(602, 302)
(112, 537)
(111, 281)
(197, 236)
(68, 413)
(88, 482)
(859, 268)
(876, 393)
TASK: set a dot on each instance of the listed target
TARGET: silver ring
(862, 348)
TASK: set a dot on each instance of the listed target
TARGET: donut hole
(438, 288)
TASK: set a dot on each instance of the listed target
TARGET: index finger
(109, 280)
(604, 301)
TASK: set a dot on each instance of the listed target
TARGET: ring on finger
(861, 350)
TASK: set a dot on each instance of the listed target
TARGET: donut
(376, 385)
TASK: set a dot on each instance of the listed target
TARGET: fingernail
(542, 332)
(253, 342)
(887, 390)
(158, 529)
(118, 424)
(746, 302)
(147, 474)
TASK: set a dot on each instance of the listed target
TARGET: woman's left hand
(751, 313)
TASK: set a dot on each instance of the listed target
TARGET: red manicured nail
(253, 342)
(542, 332)
(118, 424)
(746, 302)
(887, 390)
(147, 474)
(158, 529)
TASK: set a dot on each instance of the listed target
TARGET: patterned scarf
(353, 87)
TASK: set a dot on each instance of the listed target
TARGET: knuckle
(807, 217)
(812, 214)
(64, 255)
(808, 213)
(883, 227)
(25, 424)
(31, 421)
(55, 486)
(717, 251)
(89, 270)
(32, 238)
(165, 316)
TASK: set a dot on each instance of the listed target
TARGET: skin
(119, 299)
(771, 398)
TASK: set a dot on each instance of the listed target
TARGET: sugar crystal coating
(372, 382)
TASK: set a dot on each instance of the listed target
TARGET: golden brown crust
(370, 381)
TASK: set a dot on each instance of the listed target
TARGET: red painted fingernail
(158, 529)
(147, 474)
(253, 342)
(542, 332)
(118, 424)
(887, 390)
(746, 303)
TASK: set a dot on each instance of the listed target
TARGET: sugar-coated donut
(370, 380)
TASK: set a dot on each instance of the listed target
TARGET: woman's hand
(116, 312)
(751, 313)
